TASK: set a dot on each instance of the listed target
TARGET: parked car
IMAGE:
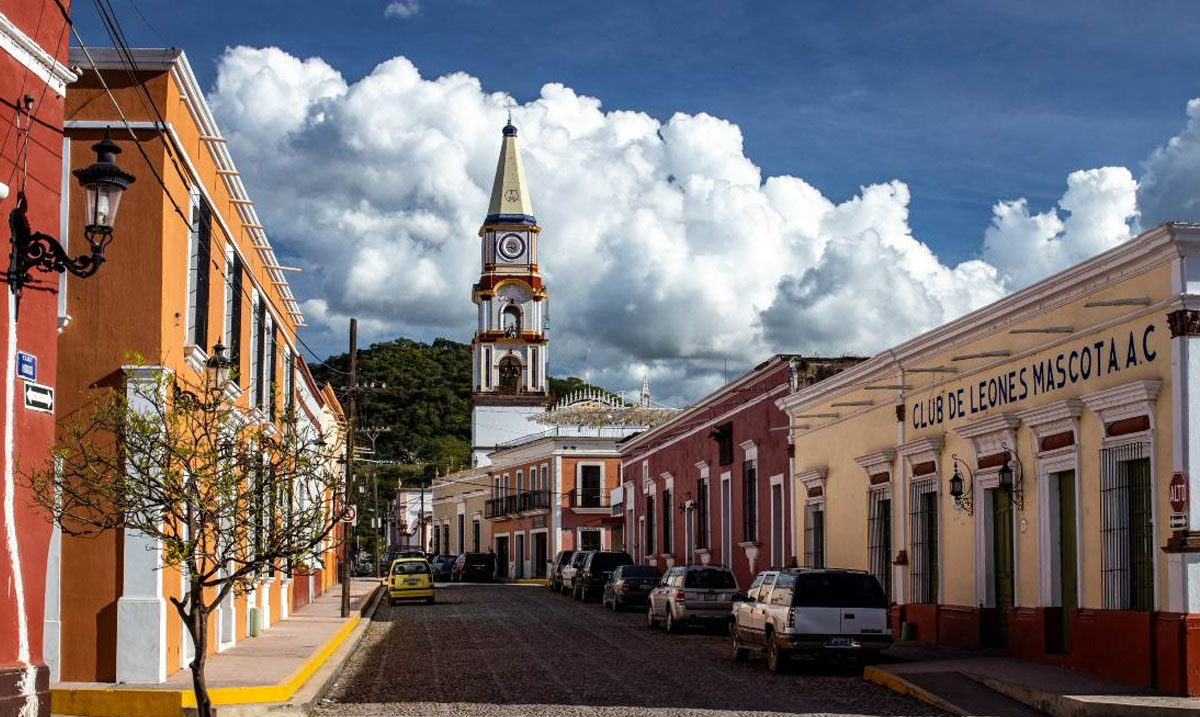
(629, 585)
(442, 566)
(410, 579)
(594, 571)
(813, 612)
(567, 583)
(554, 577)
(692, 594)
(474, 566)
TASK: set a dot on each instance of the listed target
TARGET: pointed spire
(510, 198)
(645, 399)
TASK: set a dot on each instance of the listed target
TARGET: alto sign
(1178, 492)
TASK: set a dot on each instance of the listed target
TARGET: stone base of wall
(13, 703)
(1148, 649)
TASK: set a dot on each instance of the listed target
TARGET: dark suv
(474, 566)
(554, 578)
(594, 572)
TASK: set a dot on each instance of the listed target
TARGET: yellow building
(458, 513)
(192, 267)
(1023, 477)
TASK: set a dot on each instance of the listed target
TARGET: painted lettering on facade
(1042, 376)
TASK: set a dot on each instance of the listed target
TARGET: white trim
(25, 50)
(777, 480)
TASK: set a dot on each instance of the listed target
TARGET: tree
(227, 499)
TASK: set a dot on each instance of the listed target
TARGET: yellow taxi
(410, 579)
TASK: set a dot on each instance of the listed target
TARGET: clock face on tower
(511, 246)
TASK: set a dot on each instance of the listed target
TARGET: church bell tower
(510, 348)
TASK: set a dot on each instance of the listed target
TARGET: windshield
(709, 580)
(478, 559)
(411, 567)
(608, 561)
(640, 571)
(838, 590)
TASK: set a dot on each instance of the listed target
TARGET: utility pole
(349, 461)
(372, 433)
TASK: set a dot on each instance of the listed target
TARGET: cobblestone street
(519, 649)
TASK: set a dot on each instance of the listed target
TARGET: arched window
(510, 321)
(510, 374)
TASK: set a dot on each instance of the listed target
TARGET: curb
(233, 701)
(899, 685)
(367, 615)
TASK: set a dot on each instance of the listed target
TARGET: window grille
(879, 538)
(649, 525)
(749, 502)
(1126, 527)
(462, 527)
(667, 541)
(475, 536)
(199, 268)
(923, 562)
(702, 514)
(256, 351)
(814, 536)
(233, 310)
(272, 361)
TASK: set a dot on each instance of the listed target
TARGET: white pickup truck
(811, 612)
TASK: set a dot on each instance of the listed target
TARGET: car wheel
(671, 625)
(740, 653)
(651, 621)
(777, 659)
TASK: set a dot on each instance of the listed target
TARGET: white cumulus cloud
(402, 8)
(665, 250)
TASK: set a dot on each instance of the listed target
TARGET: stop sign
(1178, 492)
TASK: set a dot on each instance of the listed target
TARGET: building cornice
(25, 50)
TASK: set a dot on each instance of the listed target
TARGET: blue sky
(967, 103)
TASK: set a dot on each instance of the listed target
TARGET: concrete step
(970, 696)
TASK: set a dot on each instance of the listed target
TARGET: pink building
(713, 484)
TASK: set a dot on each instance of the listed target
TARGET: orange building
(193, 268)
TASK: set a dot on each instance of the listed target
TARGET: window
(589, 539)
(749, 502)
(446, 536)
(533, 366)
(271, 356)
(199, 271)
(702, 513)
(879, 538)
(545, 487)
(752, 593)
(289, 360)
(650, 525)
(257, 311)
(437, 542)
(591, 487)
(487, 367)
(923, 563)
(462, 537)
(1127, 533)
(814, 536)
(723, 435)
(475, 535)
(233, 310)
(844, 590)
(668, 544)
(708, 578)
(784, 590)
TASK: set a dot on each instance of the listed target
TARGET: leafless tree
(228, 497)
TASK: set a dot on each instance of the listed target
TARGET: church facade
(510, 351)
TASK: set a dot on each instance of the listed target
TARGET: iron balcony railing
(516, 503)
(588, 499)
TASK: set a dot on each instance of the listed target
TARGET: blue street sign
(26, 366)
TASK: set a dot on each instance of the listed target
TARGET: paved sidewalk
(270, 668)
(969, 684)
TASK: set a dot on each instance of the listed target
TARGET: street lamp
(960, 493)
(218, 367)
(1011, 481)
(103, 183)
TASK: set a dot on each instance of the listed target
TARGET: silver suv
(813, 612)
(692, 594)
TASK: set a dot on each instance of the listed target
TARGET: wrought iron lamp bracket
(1016, 489)
(38, 250)
(965, 499)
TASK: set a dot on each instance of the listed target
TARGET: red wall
(760, 421)
(36, 329)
